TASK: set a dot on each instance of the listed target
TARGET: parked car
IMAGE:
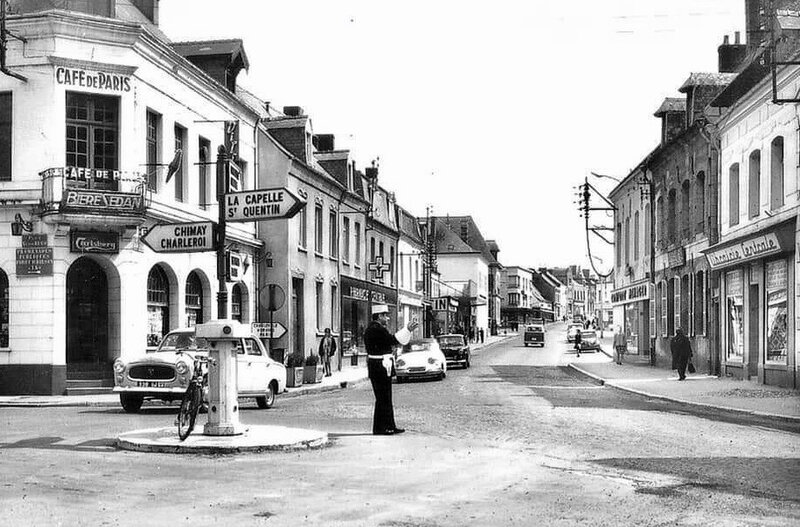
(573, 330)
(589, 340)
(455, 348)
(165, 373)
(421, 359)
(534, 335)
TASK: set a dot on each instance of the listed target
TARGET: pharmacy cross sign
(378, 268)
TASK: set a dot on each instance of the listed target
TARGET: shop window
(754, 184)
(5, 137)
(194, 300)
(4, 309)
(699, 303)
(333, 238)
(685, 304)
(318, 228)
(203, 173)
(675, 306)
(92, 133)
(733, 195)
(153, 149)
(777, 313)
(345, 239)
(734, 314)
(236, 303)
(776, 174)
(319, 305)
(157, 306)
(180, 144)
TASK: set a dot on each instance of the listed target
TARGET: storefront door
(87, 316)
(754, 333)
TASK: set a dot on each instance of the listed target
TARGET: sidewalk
(348, 376)
(636, 375)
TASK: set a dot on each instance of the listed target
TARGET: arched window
(776, 175)
(618, 243)
(636, 235)
(4, 310)
(754, 184)
(157, 306)
(700, 202)
(627, 240)
(686, 212)
(733, 195)
(236, 302)
(194, 300)
(647, 228)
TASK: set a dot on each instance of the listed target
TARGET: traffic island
(257, 438)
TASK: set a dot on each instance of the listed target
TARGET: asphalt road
(518, 439)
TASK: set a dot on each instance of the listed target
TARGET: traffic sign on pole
(181, 237)
(262, 204)
(268, 330)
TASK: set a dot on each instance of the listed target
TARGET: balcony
(92, 198)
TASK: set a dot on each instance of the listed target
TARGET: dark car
(455, 348)
(589, 340)
(534, 335)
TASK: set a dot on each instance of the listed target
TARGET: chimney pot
(293, 111)
(736, 37)
(725, 40)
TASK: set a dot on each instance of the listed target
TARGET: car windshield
(451, 341)
(588, 334)
(416, 346)
(574, 329)
(534, 328)
(183, 342)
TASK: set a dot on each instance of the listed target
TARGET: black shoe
(383, 432)
(398, 430)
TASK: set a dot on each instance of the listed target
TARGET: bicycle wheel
(190, 405)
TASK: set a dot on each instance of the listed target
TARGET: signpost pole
(223, 168)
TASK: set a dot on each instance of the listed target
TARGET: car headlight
(119, 366)
(400, 363)
(182, 367)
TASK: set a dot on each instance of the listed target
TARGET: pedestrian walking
(472, 334)
(327, 349)
(578, 340)
(681, 350)
(379, 343)
(480, 332)
(620, 344)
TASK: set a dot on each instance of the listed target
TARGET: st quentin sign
(263, 204)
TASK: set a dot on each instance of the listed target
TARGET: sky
(496, 109)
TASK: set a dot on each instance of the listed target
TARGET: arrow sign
(181, 237)
(268, 330)
(263, 204)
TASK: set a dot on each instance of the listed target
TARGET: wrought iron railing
(82, 187)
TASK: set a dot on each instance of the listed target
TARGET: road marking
(565, 387)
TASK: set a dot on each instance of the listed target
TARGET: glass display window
(777, 329)
(734, 314)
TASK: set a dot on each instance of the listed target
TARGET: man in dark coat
(327, 349)
(681, 350)
(379, 343)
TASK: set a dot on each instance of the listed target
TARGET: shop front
(445, 316)
(357, 299)
(757, 322)
(632, 308)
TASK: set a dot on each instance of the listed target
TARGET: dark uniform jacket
(378, 340)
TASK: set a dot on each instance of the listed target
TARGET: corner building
(97, 109)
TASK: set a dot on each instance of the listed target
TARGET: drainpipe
(4, 33)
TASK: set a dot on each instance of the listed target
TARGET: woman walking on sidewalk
(620, 344)
(681, 350)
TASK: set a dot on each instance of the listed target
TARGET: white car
(421, 359)
(165, 373)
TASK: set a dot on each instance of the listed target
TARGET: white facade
(470, 273)
(125, 66)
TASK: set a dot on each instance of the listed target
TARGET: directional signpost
(262, 204)
(181, 237)
(268, 330)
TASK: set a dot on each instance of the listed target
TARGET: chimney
(730, 56)
(324, 142)
(754, 23)
(293, 111)
(149, 8)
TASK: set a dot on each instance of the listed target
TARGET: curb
(707, 406)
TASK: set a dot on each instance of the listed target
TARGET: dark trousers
(383, 417)
(327, 364)
(681, 364)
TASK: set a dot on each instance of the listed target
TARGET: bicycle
(192, 400)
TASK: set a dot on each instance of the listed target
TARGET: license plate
(150, 384)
